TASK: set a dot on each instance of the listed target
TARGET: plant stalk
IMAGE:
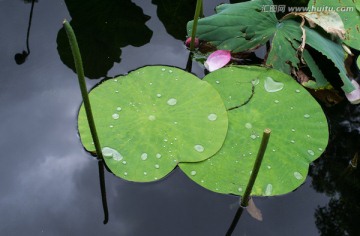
(81, 77)
(198, 11)
(264, 141)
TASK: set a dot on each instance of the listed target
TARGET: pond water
(49, 184)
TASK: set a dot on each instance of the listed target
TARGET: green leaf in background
(358, 62)
(351, 18)
(321, 81)
(283, 55)
(153, 118)
(237, 27)
(332, 51)
(245, 26)
(270, 99)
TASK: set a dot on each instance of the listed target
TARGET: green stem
(81, 77)
(198, 11)
(256, 168)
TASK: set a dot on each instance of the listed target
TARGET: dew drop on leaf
(144, 156)
(172, 101)
(272, 86)
(248, 125)
(111, 153)
(199, 148)
(212, 117)
(297, 175)
(268, 189)
(115, 116)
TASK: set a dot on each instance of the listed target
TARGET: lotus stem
(198, 12)
(264, 141)
(81, 77)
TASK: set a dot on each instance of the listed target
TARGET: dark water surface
(49, 185)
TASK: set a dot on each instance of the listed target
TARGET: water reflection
(175, 15)
(21, 57)
(102, 30)
(336, 174)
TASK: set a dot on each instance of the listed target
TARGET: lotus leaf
(152, 119)
(259, 98)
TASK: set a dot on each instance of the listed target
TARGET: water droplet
(125, 173)
(240, 189)
(297, 90)
(306, 116)
(212, 117)
(145, 173)
(157, 166)
(152, 117)
(158, 155)
(199, 148)
(217, 81)
(253, 136)
(193, 172)
(297, 175)
(144, 156)
(115, 116)
(118, 108)
(269, 167)
(255, 81)
(268, 189)
(115, 80)
(111, 153)
(274, 150)
(124, 162)
(293, 130)
(272, 86)
(248, 125)
(162, 69)
(116, 91)
(170, 71)
(158, 95)
(276, 101)
(172, 101)
(320, 149)
(292, 141)
(111, 126)
(311, 152)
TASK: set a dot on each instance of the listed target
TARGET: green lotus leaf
(153, 118)
(350, 17)
(255, 101)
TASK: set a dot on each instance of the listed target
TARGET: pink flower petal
(354, 96)
(217, 60)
